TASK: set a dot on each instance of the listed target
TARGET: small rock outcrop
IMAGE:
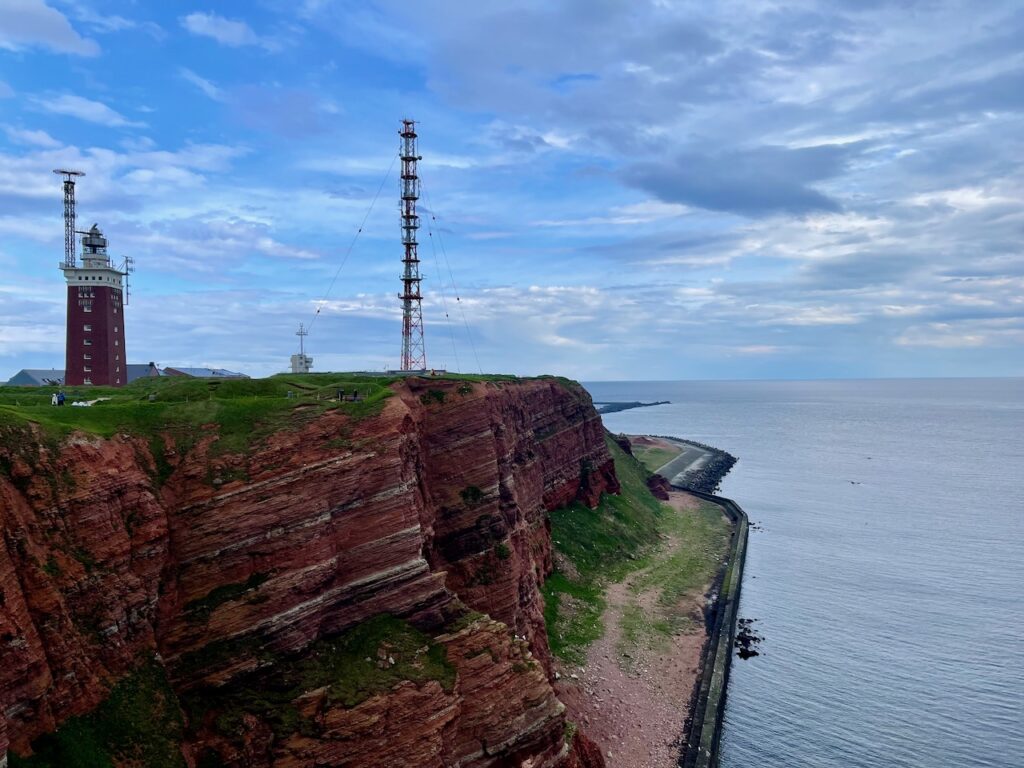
(659, 486)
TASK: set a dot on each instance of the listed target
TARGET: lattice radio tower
(69, 214)
(414, 355)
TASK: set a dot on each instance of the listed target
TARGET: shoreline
(703, 473)
(628, 695)
(703, 729)
(698, 470)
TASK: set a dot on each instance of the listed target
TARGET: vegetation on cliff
(242, 409)
(366, 659)
(138, 724)
(626, 534)
(596, 546)
(174, 413)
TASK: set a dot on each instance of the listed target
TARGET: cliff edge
(346, 585)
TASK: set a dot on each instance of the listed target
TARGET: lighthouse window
(116, 342)
(87, 342)
(87, 380)
(87, 356)
(87, 307)
(87, 327)
(86, 367)
(117, 369)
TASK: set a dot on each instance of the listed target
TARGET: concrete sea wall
(705, 730)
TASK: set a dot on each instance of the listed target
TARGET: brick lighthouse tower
(95, 351)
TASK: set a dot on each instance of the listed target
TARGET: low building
(37, 377)
(204, 373)
(54, 377)
(301, 363)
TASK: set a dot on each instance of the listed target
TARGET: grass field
(145, 406)
(244, 411)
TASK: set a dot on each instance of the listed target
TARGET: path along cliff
(353, 585)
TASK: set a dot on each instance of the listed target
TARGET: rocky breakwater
(355, 588)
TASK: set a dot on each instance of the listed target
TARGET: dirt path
(631, 698)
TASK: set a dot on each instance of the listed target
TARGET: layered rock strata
(234, 562)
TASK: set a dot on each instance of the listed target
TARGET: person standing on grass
(60, 398)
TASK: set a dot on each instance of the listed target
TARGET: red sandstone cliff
(238, 566)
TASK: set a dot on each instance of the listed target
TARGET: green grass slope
(672, 553)
(599, 546)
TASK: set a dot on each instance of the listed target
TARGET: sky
(612, 190)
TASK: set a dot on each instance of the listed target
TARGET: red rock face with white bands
(443, 495)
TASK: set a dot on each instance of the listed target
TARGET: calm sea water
(891, 605)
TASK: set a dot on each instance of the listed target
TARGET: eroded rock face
(234, 561)
(508, 454)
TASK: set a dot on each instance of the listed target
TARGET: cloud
(964, 335)
(815, 316)
(6, 91)
(84, 109)
(226, 31)
(759, 349)
(112, 23)
(204, 85)
(750, 182)
(623, 215)
(32, 23)
(33, 138)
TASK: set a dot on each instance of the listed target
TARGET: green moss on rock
(367, 659)
(138, 724)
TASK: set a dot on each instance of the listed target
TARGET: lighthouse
(95, 352)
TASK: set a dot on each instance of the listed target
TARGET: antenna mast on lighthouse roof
(414, 356)
(69, 214)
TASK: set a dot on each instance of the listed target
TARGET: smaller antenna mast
(302, 333)
(128, 267)
(69, 214)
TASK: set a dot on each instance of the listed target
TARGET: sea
(886, 571)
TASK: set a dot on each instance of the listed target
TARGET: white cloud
(226, 31)
(204, 85)
(30, 23)
(101, 23)
(807, 316)
(758, 349)
(6, 91)
(964, 198)
(84, 109)
(30, 338)
(942, 335)
(620, 215)
(952, 335)
(902, 310)
(33, 138)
